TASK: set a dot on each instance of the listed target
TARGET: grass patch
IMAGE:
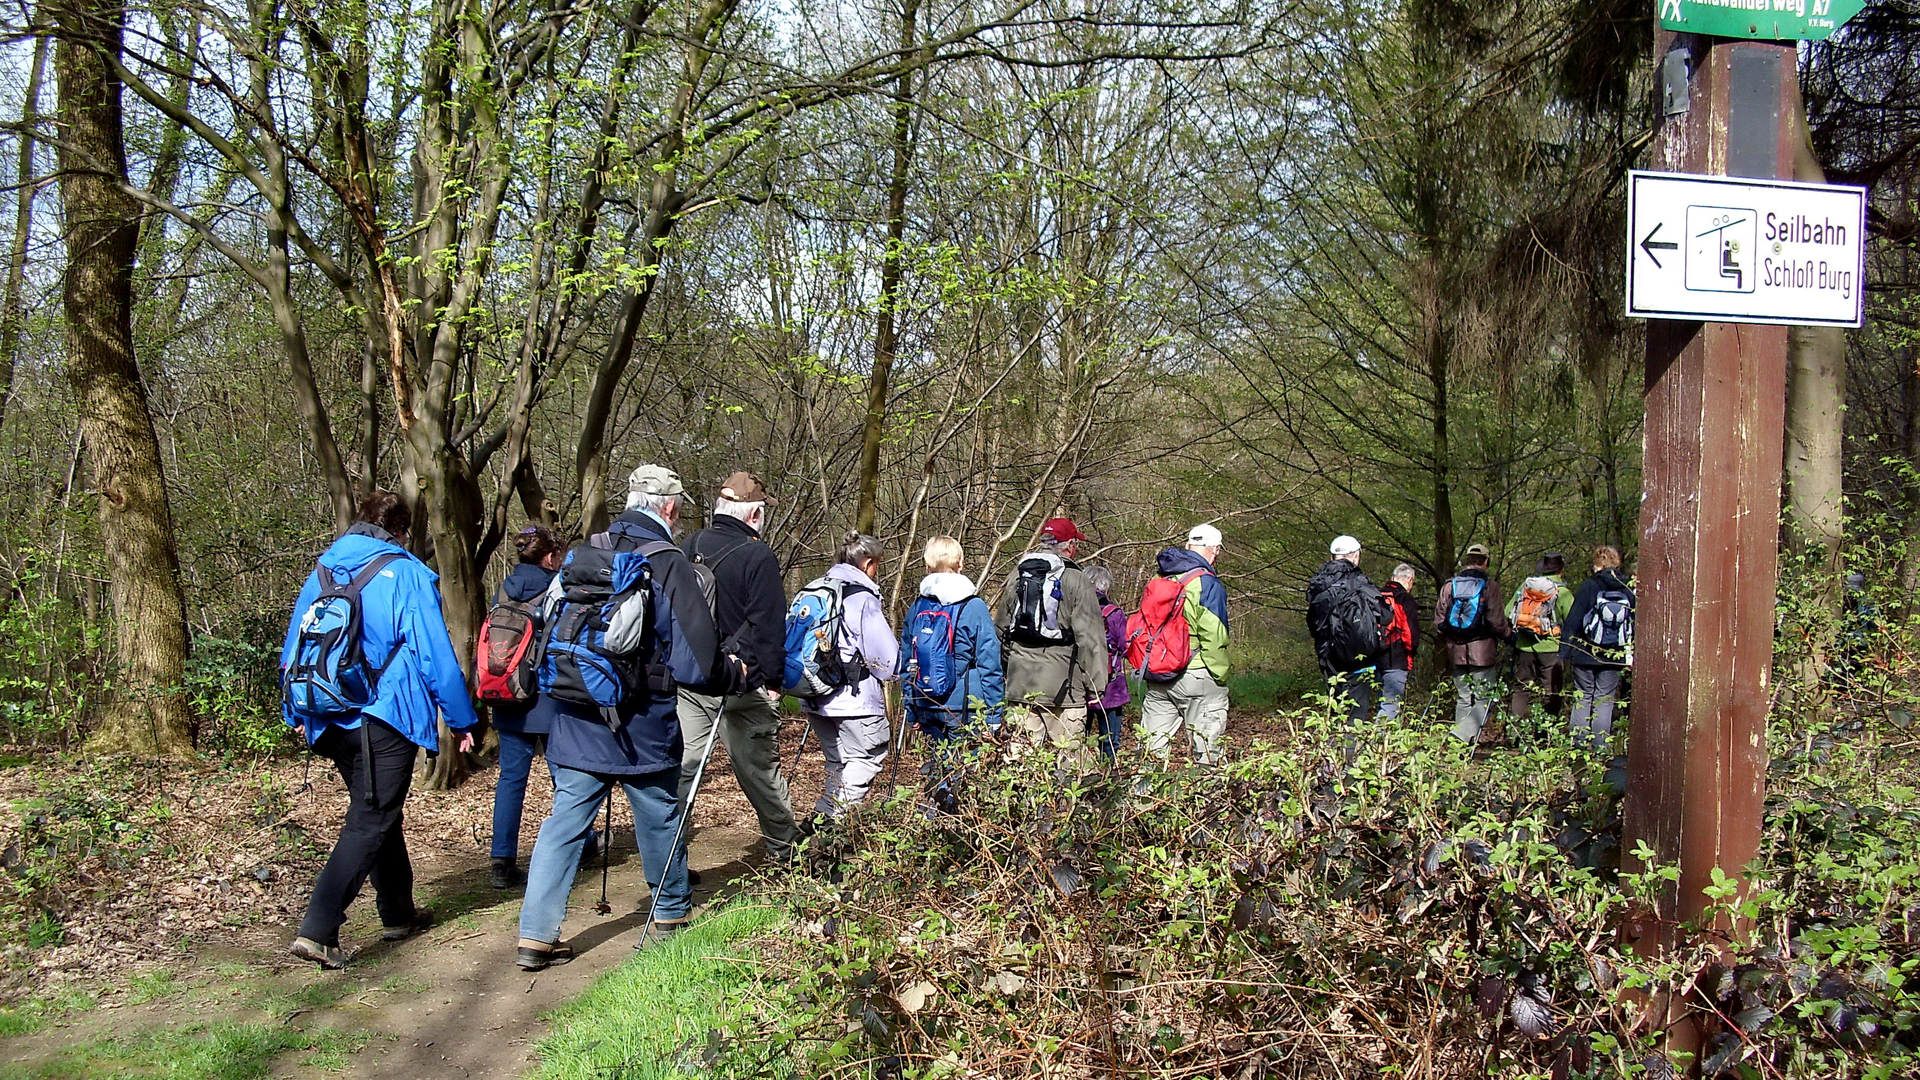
(35, 1013)
(219, 1051)
(636, 1018)
(154, 984)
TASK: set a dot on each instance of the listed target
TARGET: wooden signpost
(1709, 520)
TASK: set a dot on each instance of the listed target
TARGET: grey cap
(654, 480)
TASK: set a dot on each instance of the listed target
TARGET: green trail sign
(1770, 20)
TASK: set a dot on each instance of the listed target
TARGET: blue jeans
(1393, 687)
(1109, 725)
(577, 797)
(510, 791)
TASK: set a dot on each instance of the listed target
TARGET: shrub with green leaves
(1419, 911)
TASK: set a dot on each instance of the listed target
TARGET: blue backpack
(1467, 614)
(816, 623)
(329, 678)
(932, 668)
(597, 638)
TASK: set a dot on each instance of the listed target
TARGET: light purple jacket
(867, 631)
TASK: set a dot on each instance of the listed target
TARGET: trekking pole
(606, 856)
(806, 726)
(686, 816)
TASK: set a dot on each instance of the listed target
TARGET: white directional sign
(1727, 249)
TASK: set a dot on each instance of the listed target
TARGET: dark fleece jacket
(749, 598)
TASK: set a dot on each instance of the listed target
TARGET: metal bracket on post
(1673, 81)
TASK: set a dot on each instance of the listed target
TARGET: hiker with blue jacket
(521, 725)
(1597, 642)
(851, 721)
(950, 676)
(948, 639)
(411, 678)
(635, 745)
(1471, 619)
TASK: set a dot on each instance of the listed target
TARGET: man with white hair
(1344, 615)
(636, 745)
(1197, 697)
(749, 613)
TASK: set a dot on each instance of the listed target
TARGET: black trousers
(370, 844)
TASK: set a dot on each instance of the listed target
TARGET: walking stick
(686, 815)
(806, 726)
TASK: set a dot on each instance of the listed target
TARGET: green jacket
(1526, 640)
(1204, 603)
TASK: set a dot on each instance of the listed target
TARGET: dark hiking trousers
(370, 844)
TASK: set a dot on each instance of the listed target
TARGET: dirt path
(449, 1003)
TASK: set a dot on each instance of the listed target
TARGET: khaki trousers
(1063, 726)
(1195, 699)
(750, 727)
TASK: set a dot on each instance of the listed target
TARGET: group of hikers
(628, 656)
(1366, 638)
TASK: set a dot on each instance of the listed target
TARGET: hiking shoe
(536, 956)
(661, 930)
(330, 957)
(422, 919)
(506, 875)
(693, 876)
(592, 850)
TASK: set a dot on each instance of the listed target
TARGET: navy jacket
(649, 740)
(525, 583)
(1575, 649)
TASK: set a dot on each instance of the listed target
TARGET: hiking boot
(539, 956)
(422, 920)
(506, 875)
(693, 877)
(661, 930)
(592, 850)
(330, 957)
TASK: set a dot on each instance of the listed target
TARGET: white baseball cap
(1204, 535)
(1344, 545)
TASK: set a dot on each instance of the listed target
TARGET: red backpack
(507, 659)
(1396, 630)
(1159, 641)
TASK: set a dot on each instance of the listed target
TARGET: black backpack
(1354, 609)
(1036, 609)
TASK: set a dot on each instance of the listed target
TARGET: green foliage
(233, 686)
(650, 1017)
(51, 669)
(225, 1050)
(1310, 916)
(101, 815)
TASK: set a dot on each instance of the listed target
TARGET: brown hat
(745, 487)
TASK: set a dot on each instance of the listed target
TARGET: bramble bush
(1420, 911)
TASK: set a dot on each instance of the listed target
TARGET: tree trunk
(1816, 416)
(148, 712)
(12, 310)
(892, 265)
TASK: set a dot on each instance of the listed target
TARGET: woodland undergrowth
(1418, 912)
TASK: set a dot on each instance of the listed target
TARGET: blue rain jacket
(400, 610)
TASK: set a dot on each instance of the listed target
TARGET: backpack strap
(714, 563)
(360, 582)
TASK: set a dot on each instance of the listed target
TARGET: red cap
(1061, 529)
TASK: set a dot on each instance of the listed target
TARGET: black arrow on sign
(1649, 246)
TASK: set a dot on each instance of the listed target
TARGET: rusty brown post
(1709, 520)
